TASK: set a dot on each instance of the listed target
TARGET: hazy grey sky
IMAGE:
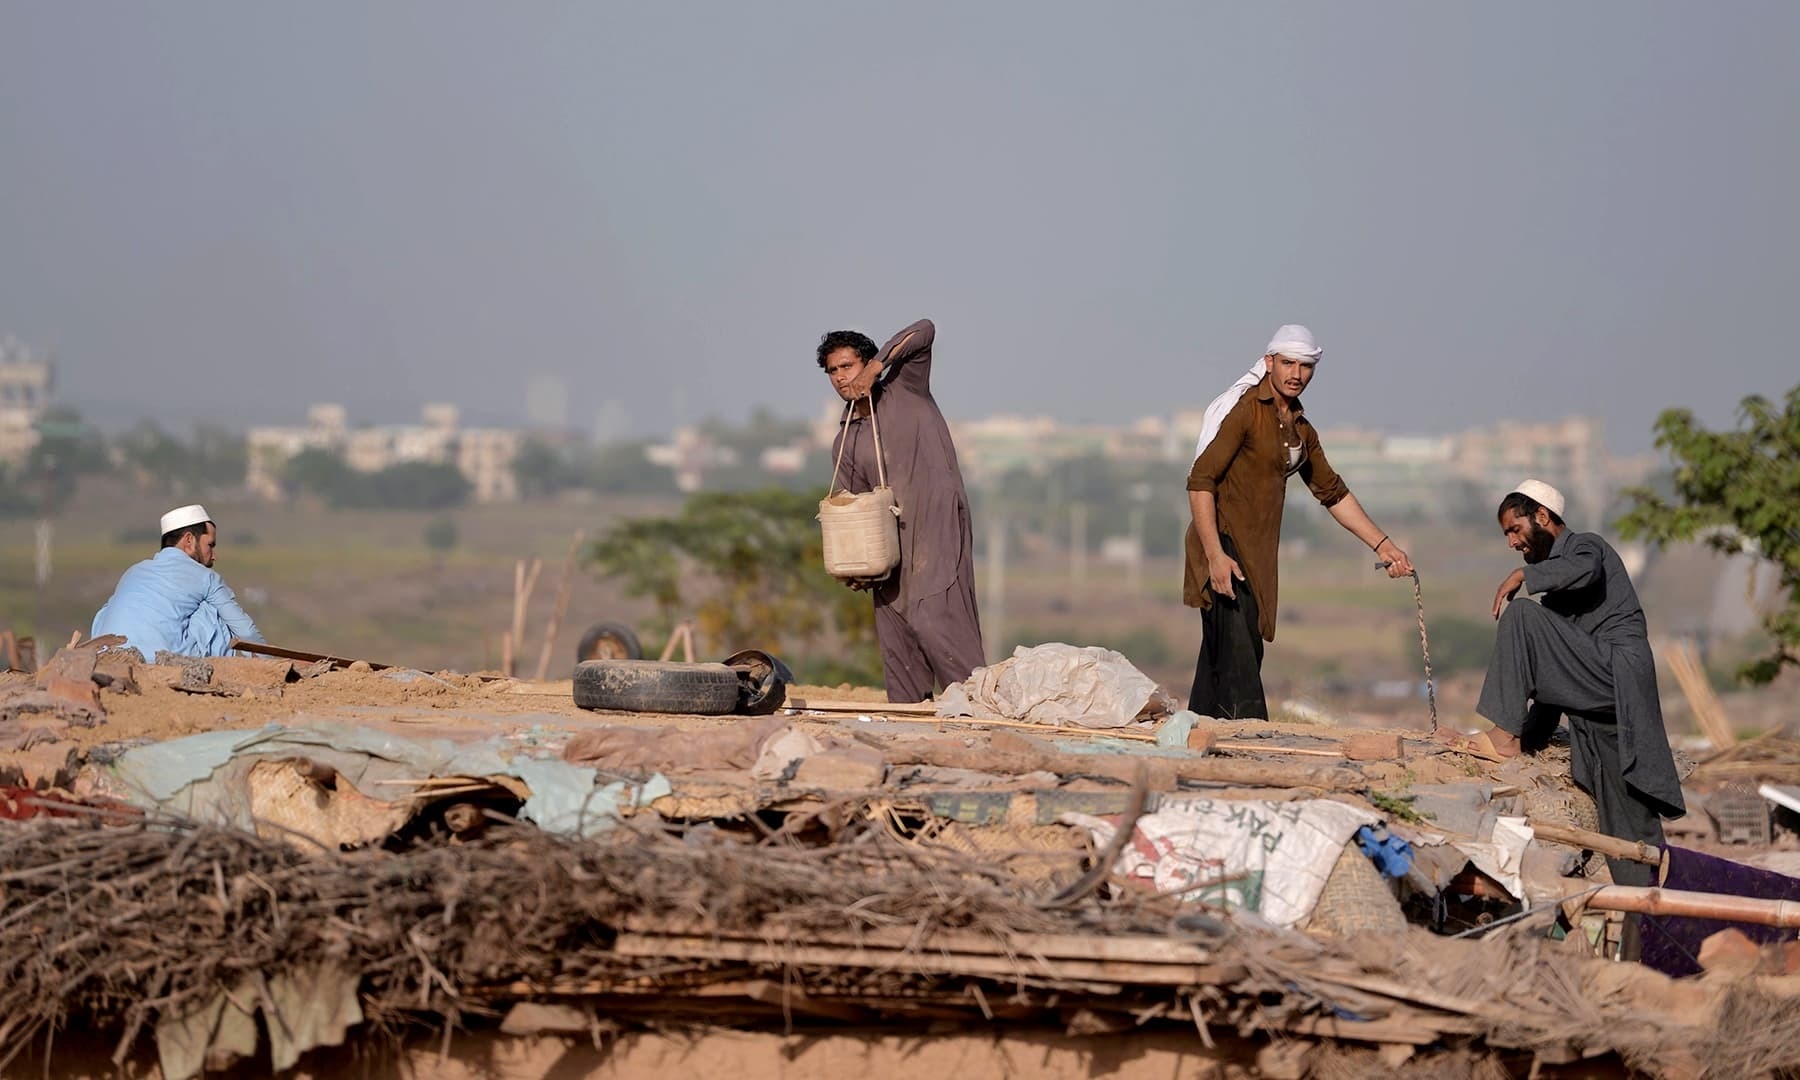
(1507, 210)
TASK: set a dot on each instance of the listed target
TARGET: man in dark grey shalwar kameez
(925, 614)
(1583, 651)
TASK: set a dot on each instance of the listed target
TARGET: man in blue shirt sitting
(176, 602)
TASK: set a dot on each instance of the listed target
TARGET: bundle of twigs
(129, 923)
(1772, 756)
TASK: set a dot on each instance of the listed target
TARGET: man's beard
(1538, 544)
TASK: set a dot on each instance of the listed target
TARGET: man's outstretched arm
(1357, 522)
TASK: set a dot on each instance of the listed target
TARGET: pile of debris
(201, 929)
(312, 868)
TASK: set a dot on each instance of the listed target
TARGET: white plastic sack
(1268, 857)
(1086, 686)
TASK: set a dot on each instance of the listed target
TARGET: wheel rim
(608, 647)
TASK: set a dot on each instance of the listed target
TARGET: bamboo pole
(1650, 900)
(1709, 713)
(1612, 846)
(561, 607)
(523, 584)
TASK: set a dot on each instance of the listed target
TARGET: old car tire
(656, 686)
(609, 641)
(763, 687)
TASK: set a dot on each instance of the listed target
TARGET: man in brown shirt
(925, 615)
(1237, 489)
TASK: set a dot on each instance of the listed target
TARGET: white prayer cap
(1545, 495)
(1295, 342)
(183, 516)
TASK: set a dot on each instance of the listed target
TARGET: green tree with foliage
(440, 535)
(748, 565)
(1458, 643)
(410, 485)
(67, 449)
(542, 469)
(1738, 491)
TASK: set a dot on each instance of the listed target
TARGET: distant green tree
(410, 485)
(541, 469)
(748, 565)
(15, 500)
(1458, 643)
(77, 448)
(67, 449)
(416, 485)
(220, 457)
(161, 462)
(440, 537)
(154, 458)
(1739, 491)
(622, 469)
(317, 472)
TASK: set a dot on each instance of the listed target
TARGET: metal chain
(1424, 644)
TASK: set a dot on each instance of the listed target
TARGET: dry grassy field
(364, 583)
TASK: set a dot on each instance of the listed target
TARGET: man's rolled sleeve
(1209, 468)
(1321, 479)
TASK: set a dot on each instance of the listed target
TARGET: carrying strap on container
(844, 440)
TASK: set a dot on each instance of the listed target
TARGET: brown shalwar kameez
(1246, 467)
(925, 615)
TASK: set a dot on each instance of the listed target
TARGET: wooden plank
(1142, 948)
(262, 649)
(1265, 748)
(791, 999)
(1163, 771)
(1115, 972)
(1417, 994)
(890, 708)
(1416, 1028)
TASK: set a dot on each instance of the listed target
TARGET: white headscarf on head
(1292, 340)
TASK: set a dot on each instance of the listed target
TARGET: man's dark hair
(1526, 506)
(847, 339)
(197, 530)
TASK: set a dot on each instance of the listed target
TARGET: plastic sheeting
(1080, 685)
(206, 777)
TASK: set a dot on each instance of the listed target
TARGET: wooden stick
(1163, 771)
(516, 626)
(1263, 748)
(882, 712)
(262, 649)
(523, 584)
(888, 708)
(1635, 850)
(561, 606)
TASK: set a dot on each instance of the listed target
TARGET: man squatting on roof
(1584, 651)
(925, 616)
(174, 601)
(1254, 437)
